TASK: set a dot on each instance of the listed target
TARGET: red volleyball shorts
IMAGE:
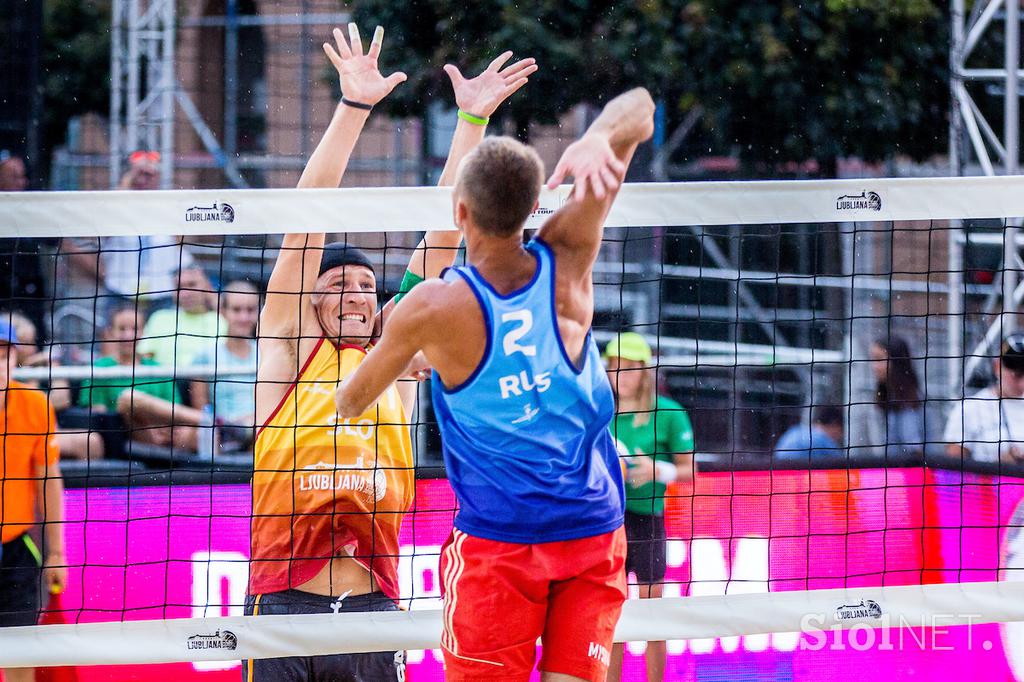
(499, 597)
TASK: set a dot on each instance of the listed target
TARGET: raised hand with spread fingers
(360, 77)
(481, 96)
(478, 97)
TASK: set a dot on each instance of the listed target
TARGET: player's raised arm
(477, 98)
(597, 162)
(298, 263)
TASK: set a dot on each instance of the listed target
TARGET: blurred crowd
(132, 305)
(985, 425)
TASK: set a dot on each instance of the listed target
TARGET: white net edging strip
(413, 209)
(240, 637)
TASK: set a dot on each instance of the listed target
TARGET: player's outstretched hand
(482, 95)
(589, 160)
(361, 80)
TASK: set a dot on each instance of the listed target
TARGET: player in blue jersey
(524, 405)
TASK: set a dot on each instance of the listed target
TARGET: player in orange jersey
(329, 494)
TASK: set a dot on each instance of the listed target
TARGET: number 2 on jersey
(510, 342)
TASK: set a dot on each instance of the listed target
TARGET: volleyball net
(835, 345)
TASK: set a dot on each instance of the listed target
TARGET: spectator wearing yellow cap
(656, 433)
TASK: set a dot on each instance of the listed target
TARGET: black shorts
(645, 554)
(20, 576)
(370, 667)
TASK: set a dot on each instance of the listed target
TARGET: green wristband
(475, 120)
(410, 280)
(33, 549)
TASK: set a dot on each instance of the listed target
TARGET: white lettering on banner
(219, 580)
(419, 582)
(710, 575)
(510, 341)
(675, 555)
(749, 576)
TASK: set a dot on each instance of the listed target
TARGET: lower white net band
(234, 638)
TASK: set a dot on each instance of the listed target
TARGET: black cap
(340, 253)
(1012, 354)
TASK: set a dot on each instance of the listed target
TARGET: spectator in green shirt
(656, 441)
(150, 406)
(175, 336)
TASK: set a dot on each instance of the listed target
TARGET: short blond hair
(500, 182)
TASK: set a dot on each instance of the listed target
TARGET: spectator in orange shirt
(31, 489)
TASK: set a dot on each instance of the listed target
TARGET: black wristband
(356, 105)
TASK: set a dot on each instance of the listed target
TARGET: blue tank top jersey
(526, 439)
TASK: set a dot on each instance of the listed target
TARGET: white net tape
(814, 612)
(199, 212)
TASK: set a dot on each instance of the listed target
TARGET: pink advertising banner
(159, 552)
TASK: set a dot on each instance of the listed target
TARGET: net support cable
(241, 637)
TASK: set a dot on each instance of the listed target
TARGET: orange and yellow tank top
(326, 487)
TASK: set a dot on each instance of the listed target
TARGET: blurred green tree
(776, 82)
(587, 50)
(75, 64)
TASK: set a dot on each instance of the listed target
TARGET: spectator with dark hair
(989, 426)
(13, 177)
(150, 406)
(898, 396)
(21, 271)
(808, 442)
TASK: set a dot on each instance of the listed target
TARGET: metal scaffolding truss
(145, 90)
(971, 140)
(142, 83)
(968, 33)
